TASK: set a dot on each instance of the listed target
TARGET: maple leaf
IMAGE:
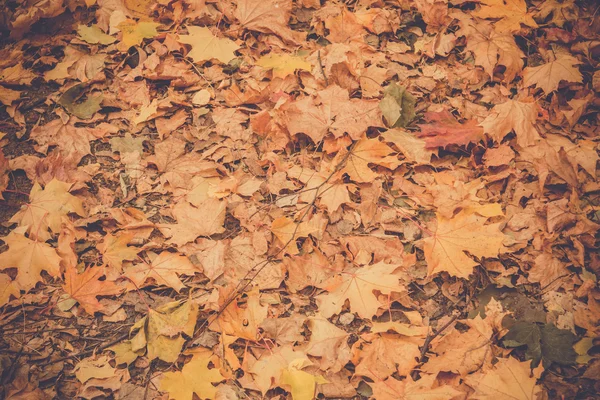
(283, 64)
(513, 115)
(194, 378)
(302, 383)
(160, 332)
(562, 11)
(93, 367)
(267, 16)
(73, 142)
(268, 369)
(413, 148)
(445, 130)
(46, 207)
(94, 35)
(206, 46)
(85, 287)
(385, 354)
(491, 48)
(114, 251)
(512, 13)
(357, 286)
(193, 222)
(331, 111)
(30, 257)
(240, 322)
(135, 32)
(548, 76)
(393, 389)
(509, 379)
(7, 288)
(163, 270)
(445, 248)
(329, 343)
(287, 231)
(365, 152)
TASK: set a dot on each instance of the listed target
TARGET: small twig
(428, 340)
(321, 68)
(89, 351)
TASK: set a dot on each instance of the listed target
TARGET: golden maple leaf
(30, 257)
(513, 115)
(195, 377)
(512, 13)
(445, 248)
(46, 208)
(85, 287)
(164, 269)
(357, 287)
(548, 76)
(206, 46)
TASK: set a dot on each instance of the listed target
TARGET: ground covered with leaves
(295, 199)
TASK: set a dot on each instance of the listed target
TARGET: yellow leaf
(357, 286)
(510, 379)
(548, 76)
(90, 367)
(194, 377)
(7, 288)
(283, 64)
(512, 13)
(160, 331)
(365, 152)
(30, 258)
(135, 32)
(267, 371)
(46, 208)
(445, 248)
(94, 35)
(513, 115)
(206, 46)
(302, 383)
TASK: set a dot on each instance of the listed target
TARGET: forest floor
(297, 199)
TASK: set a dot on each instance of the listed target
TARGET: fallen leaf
(94, 35)
(164, 269)
(30, 257)
(302, 383)
(283, 64)
(135, 32)
(268, 16)
(114, 251)
(444, 130)
(445, 248)
(206, 46)
(85, 287)
(357, 287)
(194, 378)
(511, 14)
(509, 379)
(267, 371)
(548, 76)
(513, 115)
(42, 215)
(7, 288)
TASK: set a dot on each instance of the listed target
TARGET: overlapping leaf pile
(290, 199)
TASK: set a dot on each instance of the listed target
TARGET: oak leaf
(46, 208)
(194, 378)
(445, 248)
(206, 46)
(30, 257)
(160, 332)
(509, 379)
(331, 110)
(85, 287)
(443, 130)
(164, 269)
(513, 115)
(357, 286)
(512, 13)
(548, 76)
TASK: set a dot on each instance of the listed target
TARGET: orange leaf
(85, 287)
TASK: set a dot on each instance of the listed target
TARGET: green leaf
(526, 334)
(404, 105)
(557, 346)
(83, 110)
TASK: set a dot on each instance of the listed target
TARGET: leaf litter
(299, 199)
